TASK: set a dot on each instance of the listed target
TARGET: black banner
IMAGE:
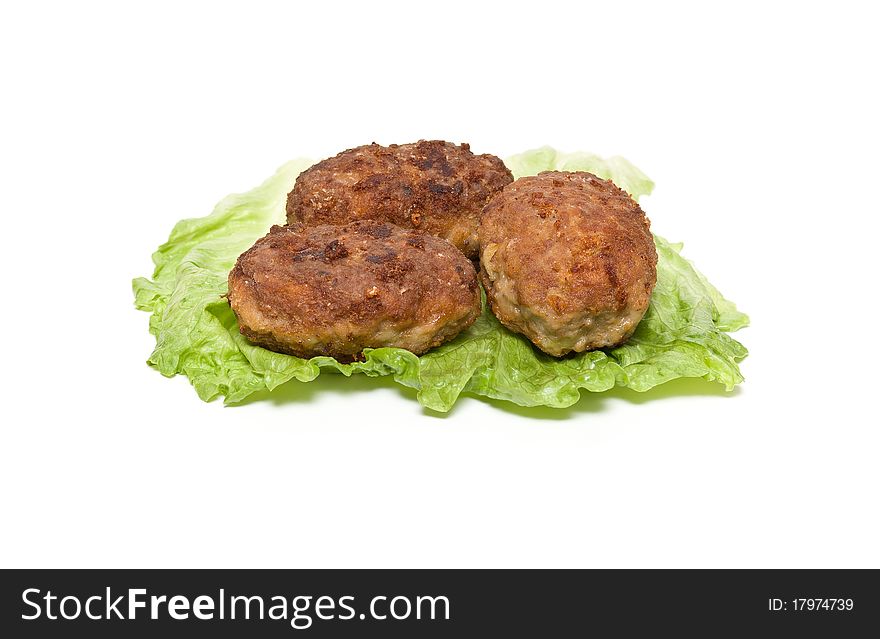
(437, 603)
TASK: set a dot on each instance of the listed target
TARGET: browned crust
(335, 290)
(433, 186)
(569, 245)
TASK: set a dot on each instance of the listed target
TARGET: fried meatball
(568, 260)
(435, 187)
(335, 290)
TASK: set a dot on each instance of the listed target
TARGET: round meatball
(568, 260)
(435, 187)
(335, 290)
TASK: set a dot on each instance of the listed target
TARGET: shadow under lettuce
(329, 383)
(598, 402)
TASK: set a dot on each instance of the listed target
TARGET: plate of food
(528, 280)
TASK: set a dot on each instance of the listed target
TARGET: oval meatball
(568, 260)
(433, 186)
(335, 290)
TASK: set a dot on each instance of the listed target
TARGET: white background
(759, 125)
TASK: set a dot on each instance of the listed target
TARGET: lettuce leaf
(683, 334)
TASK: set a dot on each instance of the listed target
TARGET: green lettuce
(683, 334)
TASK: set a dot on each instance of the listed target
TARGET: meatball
(568, 260)
(335, 290)
(435, 187)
